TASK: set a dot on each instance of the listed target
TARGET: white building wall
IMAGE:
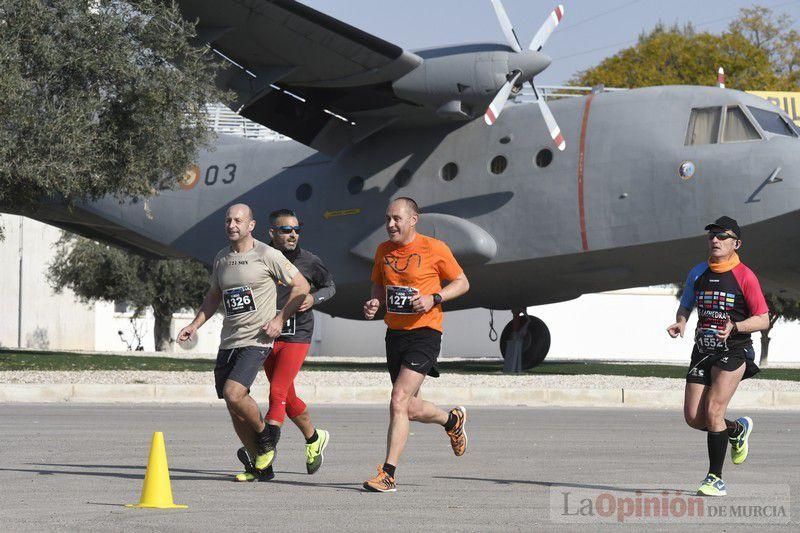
(619, 325)
(49, 320)
(120, 331)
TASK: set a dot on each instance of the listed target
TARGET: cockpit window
(738, 127)
(772, 122)
(703, 126)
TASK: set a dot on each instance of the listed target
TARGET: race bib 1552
(707, 341)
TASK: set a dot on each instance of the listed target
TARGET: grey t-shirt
(248, 284)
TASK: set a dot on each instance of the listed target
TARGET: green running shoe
(739, 446)
(314, 451)
(712, 486)
(264, 460)
(250, 473)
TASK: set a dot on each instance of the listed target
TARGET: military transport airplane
(540, 203)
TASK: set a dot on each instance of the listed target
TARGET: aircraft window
(498, 165)
(506, 139)
(355, 185)
(738, 127)
(403, 177)
(544, 158)
(303, 192)
(449, 172)
(772, 122)
(703, 126)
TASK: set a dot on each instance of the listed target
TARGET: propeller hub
(529, 62)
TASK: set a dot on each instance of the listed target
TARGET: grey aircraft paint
(642, 220)
(530, 224)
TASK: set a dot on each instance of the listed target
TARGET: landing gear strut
(524, 342)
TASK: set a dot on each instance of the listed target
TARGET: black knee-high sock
(733, 428)
(717, 446)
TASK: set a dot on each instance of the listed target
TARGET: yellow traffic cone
(157, 492)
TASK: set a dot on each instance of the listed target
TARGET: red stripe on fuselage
(581, 166)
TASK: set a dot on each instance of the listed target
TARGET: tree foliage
(96, 271)
(759, 51)
(93, 102)
(772, 33)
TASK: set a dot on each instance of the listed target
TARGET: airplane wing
(302, 73)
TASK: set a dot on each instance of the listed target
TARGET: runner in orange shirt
(407, 278)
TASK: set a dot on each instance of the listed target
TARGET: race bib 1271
(398, 299)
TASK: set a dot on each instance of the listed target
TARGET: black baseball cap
(728, 224)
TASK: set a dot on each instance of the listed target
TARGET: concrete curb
(322, 394)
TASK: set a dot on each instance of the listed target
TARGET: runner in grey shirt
(245, 280)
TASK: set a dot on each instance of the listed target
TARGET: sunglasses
(721, 236)
(286, 230)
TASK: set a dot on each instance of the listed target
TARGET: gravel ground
(347, 379)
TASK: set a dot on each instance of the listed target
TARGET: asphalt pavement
(73, 467)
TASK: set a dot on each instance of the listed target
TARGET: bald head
(401, 220)
(239, 224)
(242, 210)
(407, 203)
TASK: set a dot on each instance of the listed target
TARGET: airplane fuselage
(611, 211)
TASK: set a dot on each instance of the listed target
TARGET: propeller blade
(499, 101)
(505, 25)
(547, 28)
(552, 126)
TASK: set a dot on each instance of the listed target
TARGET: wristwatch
(437, 299)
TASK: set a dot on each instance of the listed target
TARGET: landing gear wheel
(536, 342)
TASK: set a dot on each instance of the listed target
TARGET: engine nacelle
(455, 82)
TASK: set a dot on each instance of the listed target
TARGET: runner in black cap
(730, 306)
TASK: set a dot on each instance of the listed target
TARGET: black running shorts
(417, 349)
(241, 365)
(700, 367)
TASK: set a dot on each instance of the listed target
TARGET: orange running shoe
(383, 482)
(458, 435)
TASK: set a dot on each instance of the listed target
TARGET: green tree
(682, 56)
(97, 271)
(92, 102)
(773, 33)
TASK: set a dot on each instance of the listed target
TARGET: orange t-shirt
(419, 267)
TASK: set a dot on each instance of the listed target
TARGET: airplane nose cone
(530, 63)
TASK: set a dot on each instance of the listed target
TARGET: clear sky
(590, 31)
